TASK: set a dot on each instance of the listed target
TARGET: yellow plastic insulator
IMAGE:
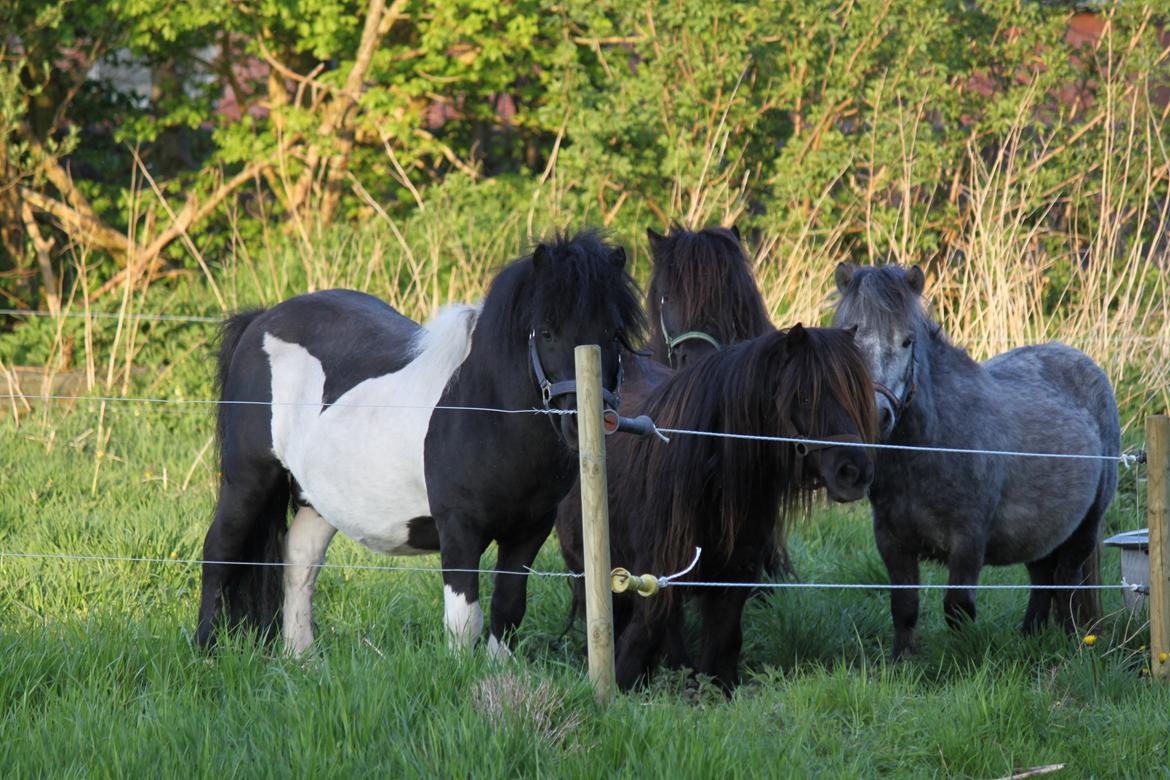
(643, 584)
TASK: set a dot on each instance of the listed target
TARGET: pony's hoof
(904, 652)
(497, 650)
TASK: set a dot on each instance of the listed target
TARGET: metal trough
(1135, 563)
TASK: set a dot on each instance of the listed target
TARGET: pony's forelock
(710, 277)
(881, 296)
(577, 280)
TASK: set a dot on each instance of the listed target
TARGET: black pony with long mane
(724, 495)
(341, 406)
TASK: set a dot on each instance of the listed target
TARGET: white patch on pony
(497, 649)
(304, 550)
(463, 620)
(360, 462)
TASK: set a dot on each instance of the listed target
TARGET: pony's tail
(255, 595)
(230, 334)
(252, 595)
(1086, 602)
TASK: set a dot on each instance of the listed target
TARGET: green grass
(99, 675)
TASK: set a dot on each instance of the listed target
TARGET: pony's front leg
(510, 599)
(304, 551)
(902, 565)
(722, 613)
(964, 564)
(461, 545)
(638, 645)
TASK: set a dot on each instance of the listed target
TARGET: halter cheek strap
(909, 386)
(673, 342)
(550, 390)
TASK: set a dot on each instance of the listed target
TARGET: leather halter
(550, 390)
(909, 385)
(673, 342)
(805, 448)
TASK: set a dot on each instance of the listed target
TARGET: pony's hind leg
(250, 518)
(1077, 564)
(304, 551)
(1040, 599)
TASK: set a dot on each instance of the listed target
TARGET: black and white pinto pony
(726, 496)
(969, 511)
(335, 402)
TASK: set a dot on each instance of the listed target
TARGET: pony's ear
(916, 279)
(852, 330)
(654, 238)
(618, 256)
(735, 232)
(796, 335)
(844, 275)
(541, 257)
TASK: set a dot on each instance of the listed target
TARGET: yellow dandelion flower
(174, 554)
(1163, 657)
(1090, 640)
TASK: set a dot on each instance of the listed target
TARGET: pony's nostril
(847, 474)
(885, 418)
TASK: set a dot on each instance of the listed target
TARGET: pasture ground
(99, 676)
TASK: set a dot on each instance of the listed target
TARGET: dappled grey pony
(971, 510)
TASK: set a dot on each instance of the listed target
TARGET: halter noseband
(550, 390)
(805, 448)
(909, 385)
(672, 343)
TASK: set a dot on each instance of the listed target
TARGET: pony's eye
(906, 344)
(546, 334)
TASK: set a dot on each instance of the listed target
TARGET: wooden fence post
(1158, 491)
(595, 522)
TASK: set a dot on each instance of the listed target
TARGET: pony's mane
(579, 280)
(682, 488)
(708, 274)
(881, 296)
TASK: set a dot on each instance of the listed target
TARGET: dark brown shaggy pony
(724, 495)
(702, 295)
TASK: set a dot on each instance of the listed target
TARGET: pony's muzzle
(849, 475)
(569, 428)
(885, 413)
